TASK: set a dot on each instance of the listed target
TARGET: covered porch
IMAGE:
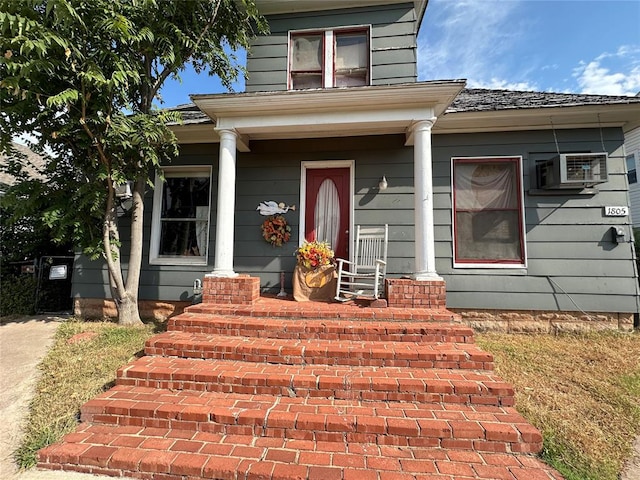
(239, 119)
(410, 110)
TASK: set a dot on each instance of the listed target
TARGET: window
(180, 228)
(331, 58)
(632, 176)
(488, 215)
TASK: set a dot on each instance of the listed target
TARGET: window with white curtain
(327, 213)
(181, 211)
(488, 215)
(329, 58)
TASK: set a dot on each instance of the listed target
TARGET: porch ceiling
(329, 112)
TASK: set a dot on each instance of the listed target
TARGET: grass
(581, 391)
(71, 374)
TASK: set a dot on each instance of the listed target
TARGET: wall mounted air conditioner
(572, 170)
(123, 191)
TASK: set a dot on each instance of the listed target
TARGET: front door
(327, 207)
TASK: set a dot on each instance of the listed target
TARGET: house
(32, 165)
(506, 207)
(632, 152)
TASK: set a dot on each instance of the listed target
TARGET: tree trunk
(125, 294)
(128, 314)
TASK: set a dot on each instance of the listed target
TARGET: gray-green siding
(393, 44)
(572, 264)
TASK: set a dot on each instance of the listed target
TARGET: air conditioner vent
(573, 170)
(123, 191)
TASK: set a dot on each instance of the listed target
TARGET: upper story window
(181, 210)
(488, 214)
(330, 58)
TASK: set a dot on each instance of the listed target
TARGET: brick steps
(266, 308)
(373, 330)
(138, 452)
(342, 382)
(473, 427)
(226, 393)
(320, 352)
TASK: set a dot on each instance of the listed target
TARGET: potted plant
(316, 254)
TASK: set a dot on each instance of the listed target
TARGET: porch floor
(287, 307)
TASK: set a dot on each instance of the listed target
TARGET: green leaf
(75, 67)
(63, 98)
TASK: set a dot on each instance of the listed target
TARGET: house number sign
(616, 211)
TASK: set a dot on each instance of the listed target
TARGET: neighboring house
(501, 196)
(33, 166)
(632, 152)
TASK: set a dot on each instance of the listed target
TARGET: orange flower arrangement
(276, 231)
(314, 254)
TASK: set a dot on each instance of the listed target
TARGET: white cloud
(611, 73)
(501, 84)
(470, 38)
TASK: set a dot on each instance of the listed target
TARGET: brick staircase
(251, 393)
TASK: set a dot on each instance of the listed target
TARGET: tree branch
(169, 70)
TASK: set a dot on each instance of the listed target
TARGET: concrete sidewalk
(23, 343)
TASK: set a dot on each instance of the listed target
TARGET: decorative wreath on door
(276, 230)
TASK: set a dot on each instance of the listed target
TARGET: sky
(566, 46)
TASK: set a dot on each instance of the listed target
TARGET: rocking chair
(364, 277)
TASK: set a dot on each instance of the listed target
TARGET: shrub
(18, 295)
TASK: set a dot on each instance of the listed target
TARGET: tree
(82, 77)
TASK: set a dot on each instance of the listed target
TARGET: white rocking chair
(364, 277)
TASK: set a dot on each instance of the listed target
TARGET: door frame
(311, 165)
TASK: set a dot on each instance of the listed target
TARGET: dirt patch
(82, 337)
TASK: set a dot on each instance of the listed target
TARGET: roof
(482, 100)
(33, 165)
(477, 109)
(190, 113)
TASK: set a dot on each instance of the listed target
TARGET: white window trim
(328, 44)
(154, 257)
(492, 265)
(309, 165)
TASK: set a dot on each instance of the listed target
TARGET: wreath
(276, 230)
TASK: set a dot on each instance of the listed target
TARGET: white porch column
(223, 266)
(425, 258)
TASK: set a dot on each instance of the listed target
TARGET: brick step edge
(165, 454)
(486, 434)
(276, 379)
(319, 352)
(391, 314)
(334, 329)
(481, 398)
